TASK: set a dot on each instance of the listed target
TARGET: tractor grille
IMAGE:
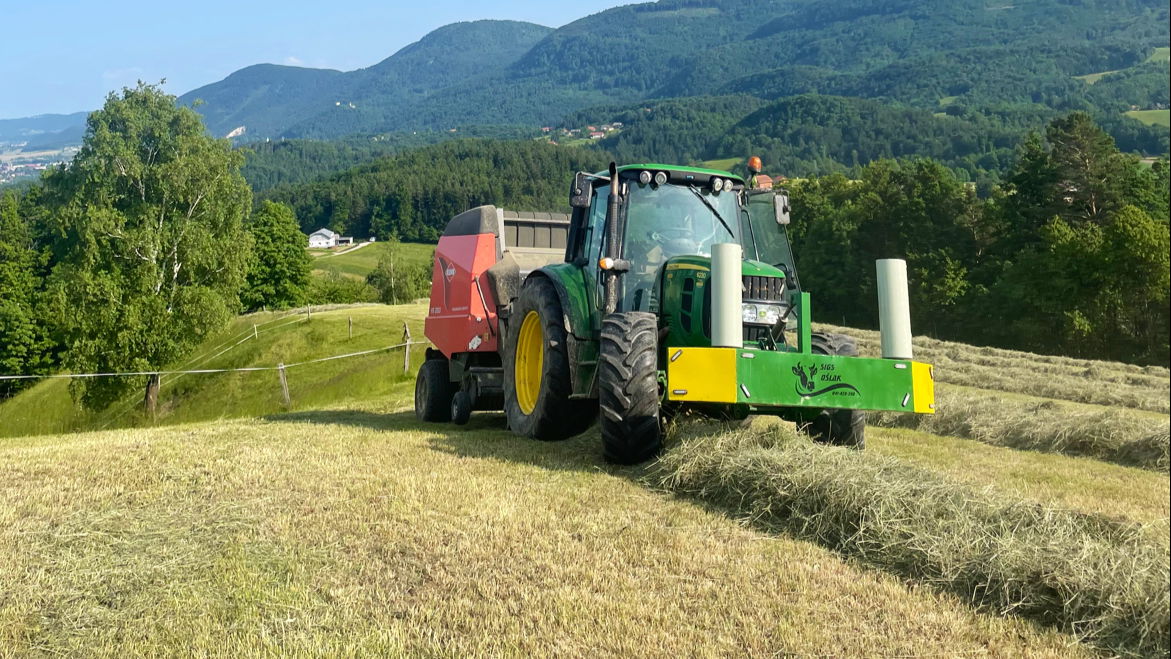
(764, 289)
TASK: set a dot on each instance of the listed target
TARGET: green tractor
(669, 290)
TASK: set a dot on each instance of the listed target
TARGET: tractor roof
(681, 169)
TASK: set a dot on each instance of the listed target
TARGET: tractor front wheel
(837, 426)
(628, 387)
(536, 369)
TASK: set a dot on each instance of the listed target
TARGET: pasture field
(361, 262)
(1158, 55)
(722, 164)
(1152, 117)
(233, 525)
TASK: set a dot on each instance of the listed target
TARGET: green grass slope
(1152, 117)
(360, 262)
(279, 337)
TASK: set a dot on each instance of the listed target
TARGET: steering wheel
(671, 233)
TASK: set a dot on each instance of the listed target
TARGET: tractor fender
(577, 315)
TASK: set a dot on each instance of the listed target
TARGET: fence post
(151, 400)
(406, 348)
(255, 334)
(308, 311)
(284, 384)
(351, 319)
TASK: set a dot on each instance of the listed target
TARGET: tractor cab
(652, 242)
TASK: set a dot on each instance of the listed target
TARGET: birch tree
(151, 246)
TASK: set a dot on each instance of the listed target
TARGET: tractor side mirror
(781, 207)
(582, 191)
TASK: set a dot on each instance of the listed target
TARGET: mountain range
(926, 54)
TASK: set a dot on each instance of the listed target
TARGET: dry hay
(1102, 580)
(1115, 435)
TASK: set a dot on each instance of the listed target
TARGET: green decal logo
(816, 380)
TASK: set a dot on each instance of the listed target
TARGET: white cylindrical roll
(894, 309)
(727, 284)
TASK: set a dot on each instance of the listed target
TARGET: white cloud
(293, 60)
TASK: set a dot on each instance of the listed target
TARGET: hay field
(233, 526)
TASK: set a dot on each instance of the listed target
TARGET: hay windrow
(1102, 580)
(1113, 435)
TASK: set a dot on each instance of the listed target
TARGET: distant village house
(323, 238)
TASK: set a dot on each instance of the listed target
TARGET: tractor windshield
(671, 220)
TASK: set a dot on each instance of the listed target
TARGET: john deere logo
(816, 380)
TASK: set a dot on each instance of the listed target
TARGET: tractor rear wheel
(536, 369)
(628, 387)
(837, 426)
(433, 391)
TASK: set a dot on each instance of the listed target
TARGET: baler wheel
(461, 408)
(536, 369)
(433, 391)
(628, 387)
(838, 427)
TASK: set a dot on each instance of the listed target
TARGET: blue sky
(60, 56)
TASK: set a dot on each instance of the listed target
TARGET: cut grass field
(353, 529)
(342, 525)
(1104, 581)
(361, 262)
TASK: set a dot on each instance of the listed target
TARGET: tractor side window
(596, 224)
(595, 229)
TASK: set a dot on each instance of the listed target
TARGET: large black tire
(433, 391)
(628, 387)
(553, 416)
(836, 426)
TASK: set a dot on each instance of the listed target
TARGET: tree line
(138, 250)
(1069, 256)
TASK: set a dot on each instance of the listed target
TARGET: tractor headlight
(762, 314)
(660, 178)
(717, 183)
(644, 177)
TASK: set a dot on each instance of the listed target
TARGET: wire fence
(190, 366)
(245, 369)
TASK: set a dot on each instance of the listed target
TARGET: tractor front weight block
(764, 379)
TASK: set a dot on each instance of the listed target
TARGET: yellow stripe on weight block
(923, 388)
(706, 375)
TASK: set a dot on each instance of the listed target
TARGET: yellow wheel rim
(530, 356)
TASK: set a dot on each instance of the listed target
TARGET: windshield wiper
(711, 208)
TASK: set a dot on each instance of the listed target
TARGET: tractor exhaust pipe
(727, 286)
(894, 309)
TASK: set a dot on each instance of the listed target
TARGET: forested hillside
(270, 101)
(809, 135)
(413, 195)
(928, 55)
(287, 162)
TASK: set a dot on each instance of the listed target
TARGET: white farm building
(323, 238)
